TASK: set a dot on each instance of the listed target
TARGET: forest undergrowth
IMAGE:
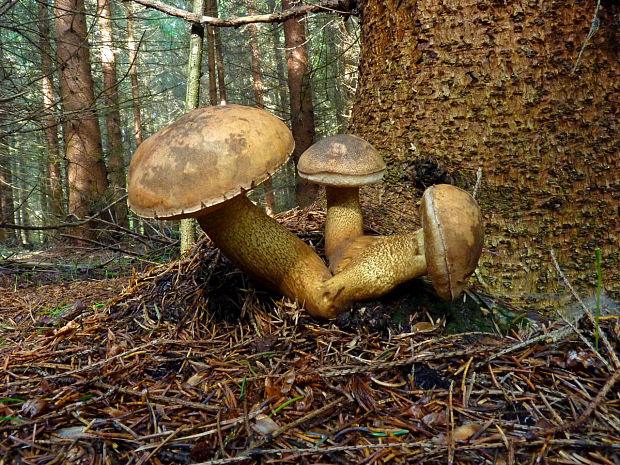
(189, 362)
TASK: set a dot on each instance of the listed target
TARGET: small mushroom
(201, 166)
(342, 163)
(447, 248)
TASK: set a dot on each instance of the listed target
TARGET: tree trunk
(302, 110)
(211, 10)
(482, 84)
(283, 103)
(116, 163)
(133, 72)
(84, 154)
(7, 207)
(345, 88)
(192, 94)
(259, 94)
(50, 125)
(219, 59)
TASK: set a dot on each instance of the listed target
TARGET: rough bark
(116, 163)
(192, 97)
(259, 93)
(87, 177)
(133, 72)
(300, 92)
(55, 198)
(488, 84)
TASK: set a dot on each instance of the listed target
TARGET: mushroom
(342, 163)
(447, 248)
(201, 166)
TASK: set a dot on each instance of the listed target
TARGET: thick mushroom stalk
(344, 219)
(269, 253)
(447, 248)
(342, 163)
(373, 266)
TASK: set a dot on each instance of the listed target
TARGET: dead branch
(80, 222)
(332, 6)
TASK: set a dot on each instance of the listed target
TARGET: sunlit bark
(116, 163)
(85, 165)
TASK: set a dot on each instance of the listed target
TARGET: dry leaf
(464, 432)
(196, 378)
(34, 407)
(435, 418)
(264, 424)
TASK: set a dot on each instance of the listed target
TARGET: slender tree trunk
(283, 102)
(7, 207)
(192, 95)
(302, 110)
(345, 88)
(491, 85)
(116, 162)
(50, 125)
(133, 72)
(259, 94)
(219, 59)
(211, 10)
(86, 169)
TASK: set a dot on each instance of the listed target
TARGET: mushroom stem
(373, 270)
(344, 218)
(269, 253)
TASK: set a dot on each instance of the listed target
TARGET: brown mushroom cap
(452, 237)
(207, 156)
(341, 160)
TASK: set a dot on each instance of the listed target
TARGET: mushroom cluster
(202, 165)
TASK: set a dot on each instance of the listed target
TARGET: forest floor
(111, 359)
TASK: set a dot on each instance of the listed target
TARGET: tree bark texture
(116, 162)
(300, 92)
(192, 98)
(487, 84)
(133, 73)
(50, 125)
(87, 177)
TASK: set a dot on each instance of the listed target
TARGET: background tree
(446, 89)
(50, 126)
(116, 161)
(86, 169)
(133, 73)
(259, 94)
(188, 225)
(300, 92)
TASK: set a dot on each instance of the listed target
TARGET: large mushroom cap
(341, 160)
(205, 157)
(452, 237)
